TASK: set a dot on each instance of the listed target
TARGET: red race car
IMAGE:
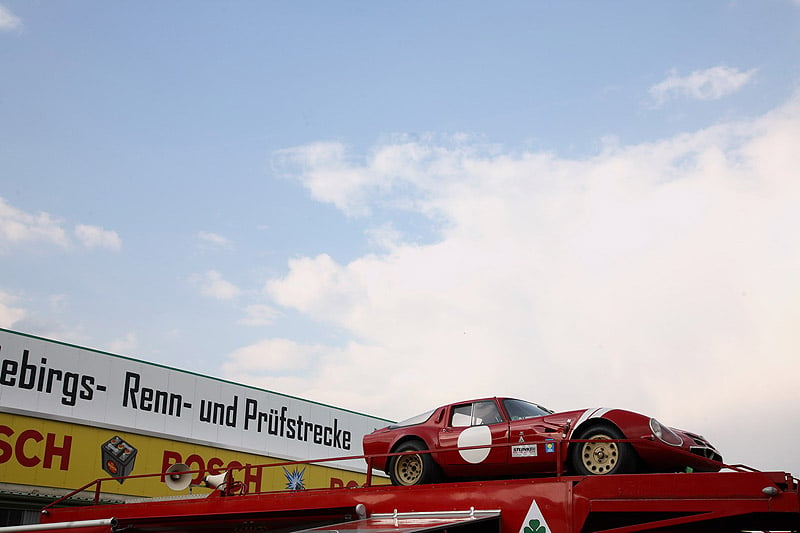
(524, 438)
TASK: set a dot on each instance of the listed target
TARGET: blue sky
(389, 206)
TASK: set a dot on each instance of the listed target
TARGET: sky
(390, 206)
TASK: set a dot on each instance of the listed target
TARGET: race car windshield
(414, 420)
(520, 410)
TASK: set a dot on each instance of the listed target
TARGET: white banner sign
(49, 379)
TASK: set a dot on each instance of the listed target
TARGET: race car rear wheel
(414, 468)
(600, 455)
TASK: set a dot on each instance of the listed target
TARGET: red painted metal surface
(724, 502)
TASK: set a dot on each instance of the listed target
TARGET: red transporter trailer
(730, 501)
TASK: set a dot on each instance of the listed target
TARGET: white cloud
(17, 226)
(97, 237)
(326, 174)
(385, 237)
(260, 315)
(709, 84)
(9, 315)
(399, 174)
(124, 345)
(214, 240)
(273, 355)
(659, 277)
(8, 20)
(211, 284)
(311, 277)
(342, 376)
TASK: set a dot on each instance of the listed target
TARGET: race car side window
(475, 414)
(485, 413)
(462, 416)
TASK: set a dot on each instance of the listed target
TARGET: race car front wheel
(414, 468)
(601, 455)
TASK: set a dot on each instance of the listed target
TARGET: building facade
(70, 415)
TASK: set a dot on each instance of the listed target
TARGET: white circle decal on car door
(475, 436)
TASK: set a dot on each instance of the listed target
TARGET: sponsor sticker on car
(524, 450)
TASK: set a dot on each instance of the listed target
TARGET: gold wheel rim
(601, 456)
(408, 469)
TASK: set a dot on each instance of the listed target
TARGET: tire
(414, 468)
(602, 457)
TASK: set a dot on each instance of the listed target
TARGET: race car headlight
(664, 434)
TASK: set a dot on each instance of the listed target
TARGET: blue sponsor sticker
(549, 447)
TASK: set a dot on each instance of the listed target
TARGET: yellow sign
(47, 453)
